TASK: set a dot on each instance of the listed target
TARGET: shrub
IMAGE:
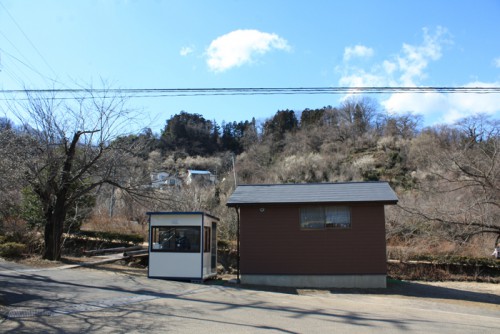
(459, 260)
(113, 236)
(12, 250)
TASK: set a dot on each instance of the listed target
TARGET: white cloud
(424, 104)
(360, 78)
(449, 107)
(415, 59)
(186, 50)
(240, 47)
(409, 68)
(496, 62)
(470, 104)
(359, 51)
(389, 67)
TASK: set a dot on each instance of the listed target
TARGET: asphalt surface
(85, 300)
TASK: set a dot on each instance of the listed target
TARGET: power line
(25, 64)
(29, 40)
(180, 92)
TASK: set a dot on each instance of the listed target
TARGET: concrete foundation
(317, 281)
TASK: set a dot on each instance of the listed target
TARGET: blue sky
(271, 43)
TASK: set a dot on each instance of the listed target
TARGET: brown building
(313, 235)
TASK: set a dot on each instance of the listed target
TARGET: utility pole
(234, 173)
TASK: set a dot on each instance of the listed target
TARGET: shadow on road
(46, 292)
(424, 291)
(394, 287)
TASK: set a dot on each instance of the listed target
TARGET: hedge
(12, 250)
(112, 236)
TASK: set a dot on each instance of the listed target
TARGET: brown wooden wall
(272, 242)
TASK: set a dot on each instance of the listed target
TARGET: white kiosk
(182, 245)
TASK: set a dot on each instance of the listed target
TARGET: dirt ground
(75, 299)
(456, 291)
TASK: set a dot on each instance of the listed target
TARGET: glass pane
(214, 247)
(206, 241)
(312, 218)
(338, 217)
(176, 239)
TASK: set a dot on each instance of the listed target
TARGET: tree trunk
(53, 233)
(56, 215)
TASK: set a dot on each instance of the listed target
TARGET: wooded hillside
(446, 176)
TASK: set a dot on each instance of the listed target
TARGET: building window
(206, 238)
(175, 239)
(337, 217)
(312, 218)
(321, 217)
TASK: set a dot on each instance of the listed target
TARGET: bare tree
(74, 152)
(461, 187)
(358, 114)
(14, 150)
(403, 126)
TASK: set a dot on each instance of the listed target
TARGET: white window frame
(336, 217)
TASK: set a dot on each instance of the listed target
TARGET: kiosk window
(206, 240)
(175, 239)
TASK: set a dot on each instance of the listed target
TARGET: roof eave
(238, 204)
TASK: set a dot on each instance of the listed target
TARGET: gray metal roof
(345, 192)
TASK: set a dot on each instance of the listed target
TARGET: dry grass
(426, 271)
(115, 224)
(478, 247)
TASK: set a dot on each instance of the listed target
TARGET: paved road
(83, 300)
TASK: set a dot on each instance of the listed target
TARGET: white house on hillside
(199, 176)
(158, 178)
(163, 179)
